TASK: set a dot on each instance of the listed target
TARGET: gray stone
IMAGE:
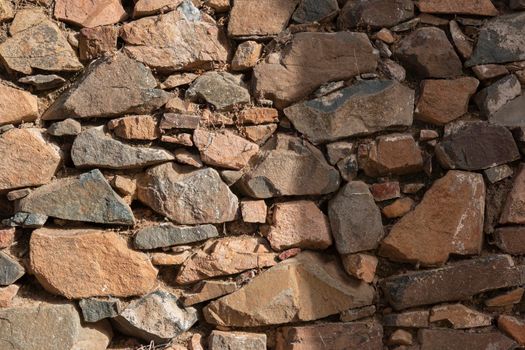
(88, 197)
(355, 219)
(41, 326)
(221, 89)
(363, 108)
(94, 149)
(511, 114)
(495, 96)
(94, 310)
(10, 271)
(166, 235)
(498, 173)
(68, 127)
(109, 87)
(26, 220)
(375, 13)
(501, 40)
(219, 340)
(289, 166)
(43, 82)
(156, 317)
(315, 11)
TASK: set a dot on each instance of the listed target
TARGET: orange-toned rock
(514, 209)
(259, 133)
(7, 236)
(299, 224)
(96, 42)
(82, 263)
(399, 208)
(208, 290)
(27, 159)
(362, 266)
(449, 220)
(17, 106)
(258, 115)
(464, 7)
(513, 327)
(7, 294)
(253, 211)
(89, 13)
(508, 298)
(137, 127)
(459, 316)
(246, 56)
(152, 7)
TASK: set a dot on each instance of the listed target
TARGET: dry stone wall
(262, 174)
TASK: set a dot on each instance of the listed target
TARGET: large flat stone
(439, 339)
(17, 106)
(310, 60)
(375, 13)
(510, 240)
(166, 235)
(363, 108)
(90, 13)
(82, 263)
(88, 197)
(461, 7)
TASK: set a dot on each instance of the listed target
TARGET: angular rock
(10, 270)
(89, 261)
(27, 159)
(506, 298)
(156, 317)
(498, 173)
(246, 56)
(494, 97)
(221, 89)
(219, 5)
(253, 211)
(43, 82)
(456, 281)
(438, 339)
(226, 256)
(42, 326)
(17, 106)
(108, 88)
(304, 288)
(175, 41)
(363, 108)
(224, 148)
(296, 71)
(209, 290)
(248, 18)
(500, 40)
(512, 326)
(510, 240)
(152, 7)
(259, 133)
(236, 340)
(187, 196)
(355, 219)
(298, 224)
(68, 127)
(319, 11)
(384, 191)
(180, 121)
(489, 71)
(461, 7)
(169, 259)
(37, 43)
(94, 310)
(357, 314)
(166, 235)
(136, 127)
(514, 211)
(449, 220)
(477, 146)
(177, 80)
(91, 13)
(339, 150)
(184, 156)
(7, 236)
(398, 208)
(375, 13)
(97, 42)
(459, 316)
(6, 10)
(442, 101)
(407, 319)
(88, 197)
(427, 53)
(95, 149)
(361, 266)
(334, 336)
(511, 114)
(288, 166)
(460, 40)
(7, 294)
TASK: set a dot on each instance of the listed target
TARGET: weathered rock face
(495, 96)
(513, 327)
(511, 114)
(179, 40)
(187, 196)
(40, 326)
(510, 240)
(514, 209)
(83, 263)
(10, 270)
(355, 219)
(288, 166)
(68, 127)
(152, 7)
(435, 339)
(449, 220)
(236, 340)
(17, 106)
(209, 290)
(166, 235)
(463, 7)
(96, 309)
(428, 54)
(109, 87)
(363, 108)
(27, 159)
(477, 146)
(500, 41)
(88, 197)
(304, 288)
(93, 148)
(459, 316)
(137, 127)
(226, 256)
(36, 43)
(456, 281)
(221, 89)
(375, 13)
(90, 14)
(297, 70)
(96, 42)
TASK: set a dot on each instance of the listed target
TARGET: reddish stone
(513, 327)
(463, 7)
(385, 191)
(460, 316)
(137, 127)
(361, 266)
(440, 339)
(95, 42)
(90, 13)
(511, 240)
(514, 209)
(399, 208)
(253, 211)
(7, 236)
(258, 115)
(289, 253)
(506, 299)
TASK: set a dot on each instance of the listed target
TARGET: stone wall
(253, 174)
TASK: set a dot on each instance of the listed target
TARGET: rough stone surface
(514, 209)
(97, 42)
(137, 127)
(10, 270)
(494, 97)
(363, 108)
(88, 197)
(220, 89)
(91, 13)
(152, 7)
(7, 236)
(209, 290)
(187, 196)
(7, 294)
(461, 7)
(513, 327)
(17, 106)
(166, 235)
(43, 82)
(398, 208)
(375, 13)
(82, 263)
(408, 319)
(293, 297)
(94, 310)
(27, 159)
(355, 219)
(449, 220)
(68, 127)
(246, 56)
(461, 41)
(361, 266)
(450, 339)
(253, 211)
(511, 114)
(236, 340)
(510, 240)
(460, 316)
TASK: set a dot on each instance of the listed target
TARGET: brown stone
(449, 220)
(361, 266)
(489, 71)
(398, 208)
(511, 240)
(136, 127)
(152, 7)
(513, 327)
(453, 282)
(505, 299)
(395, 154)
(83, 263)
(169, 259)
(407, 319)
(459, 316)
(246, 56)
(224, 148)
(96, 42)
(7, 236)
(179, 121)
(183, 156)
(357, 314)
(124, 185)
(298, 224)
(179, 139)
(307, 287)
(460, 40)
(248, 18)
(296, 71)
(439, 339)
(236, 340)
(176, 80)
(89, 13)
(253, 211)
(385, 191)
(259, 133)
(219, 5)
(514, 210)
(6, 10)
(208, 290)
(7, 295)
(258, 115)
(17, 106)
(333, 336)
(462, 7)
(400, 337)
(289, 253)
(375, 13)
(442, 101)
(27, 159)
